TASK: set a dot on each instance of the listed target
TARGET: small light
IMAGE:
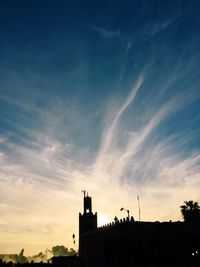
(192, 254)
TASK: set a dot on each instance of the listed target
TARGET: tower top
(87, 203)
(87, 220)
(84, 193)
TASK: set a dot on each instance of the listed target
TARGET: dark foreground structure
(130, 243)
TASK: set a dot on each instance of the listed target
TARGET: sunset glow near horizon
(100, 96)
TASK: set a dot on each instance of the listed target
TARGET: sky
(101, 96)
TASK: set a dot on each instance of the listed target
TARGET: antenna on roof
(84, 192)
(138, 199)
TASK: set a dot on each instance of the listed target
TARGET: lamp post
(127, 212)
(73, 236)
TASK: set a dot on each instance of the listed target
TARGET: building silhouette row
(132, 243)
(129, 243)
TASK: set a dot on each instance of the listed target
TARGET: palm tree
(190, 211)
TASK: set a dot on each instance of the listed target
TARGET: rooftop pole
(139, 211)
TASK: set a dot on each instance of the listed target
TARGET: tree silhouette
(21, 258)
(190, 211)
(62, 251)
(59, 251)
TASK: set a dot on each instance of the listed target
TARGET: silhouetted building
(87, 220)
(129, 243)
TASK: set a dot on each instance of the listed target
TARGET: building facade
(130, 243)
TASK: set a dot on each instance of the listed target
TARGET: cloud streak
(155, 28)
(78, 114)
(128, 162)
(107, 34)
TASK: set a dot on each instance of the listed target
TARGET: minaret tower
(87, 220)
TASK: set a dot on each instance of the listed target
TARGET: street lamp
(127, 212)
(73, 236)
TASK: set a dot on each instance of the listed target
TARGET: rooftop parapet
(115, 223)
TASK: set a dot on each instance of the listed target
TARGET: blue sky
(102, 96)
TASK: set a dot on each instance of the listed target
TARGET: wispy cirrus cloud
(129, 161)
(155, 28)
(3, 139)
(105, 33)
(76, 114)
